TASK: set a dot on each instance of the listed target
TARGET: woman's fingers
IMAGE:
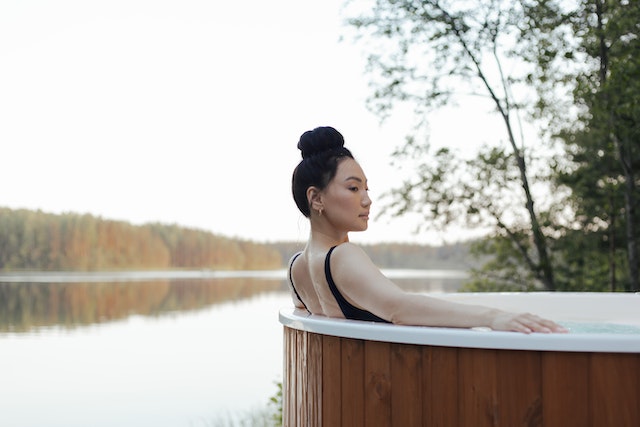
(529, 323)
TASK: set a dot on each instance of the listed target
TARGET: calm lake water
(147, 349)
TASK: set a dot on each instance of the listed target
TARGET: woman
(335, 278)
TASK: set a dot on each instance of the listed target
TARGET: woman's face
(346, 199)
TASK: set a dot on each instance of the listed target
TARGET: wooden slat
(519, 388)
(301, 380)
(565, 389)
(615, 389)
(331, 391)
(477, 387)
(406, 385)
(285, 377)
(288, 398)
(314, 378)
(377, 377)
(352, 382)
(440, 386)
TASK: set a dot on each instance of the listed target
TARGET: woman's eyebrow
(355, 178)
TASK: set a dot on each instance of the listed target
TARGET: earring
(320, 212)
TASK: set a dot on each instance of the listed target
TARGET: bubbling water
(600, 328)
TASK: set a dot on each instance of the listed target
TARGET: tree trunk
(630, 216)
(544, 270)
(612, 244)
(539, 240)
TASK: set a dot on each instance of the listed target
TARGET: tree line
(37, 240)
(450, 256)
(564, 208)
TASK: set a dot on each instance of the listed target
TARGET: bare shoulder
(361, 281)
(298, 258)
(293, 258)
(349, 248)
(350, 254)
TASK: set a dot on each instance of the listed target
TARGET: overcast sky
(187, 112)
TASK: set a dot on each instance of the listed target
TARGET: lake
(186, 348)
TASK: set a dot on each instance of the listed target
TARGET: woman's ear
(314, 198)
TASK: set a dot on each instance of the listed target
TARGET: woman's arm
(362, 283)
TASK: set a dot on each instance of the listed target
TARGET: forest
(35, 240)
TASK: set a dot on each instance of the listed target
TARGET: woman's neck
(327, 239)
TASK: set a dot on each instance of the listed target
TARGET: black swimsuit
(348, 310)
(291, 280)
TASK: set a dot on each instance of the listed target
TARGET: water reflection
(26, 306)
(162, 352)
(183, 369)
(48, 300)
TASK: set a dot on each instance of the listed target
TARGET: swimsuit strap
(349, 310)
(291, 280)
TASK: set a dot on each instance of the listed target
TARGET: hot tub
(341, 372)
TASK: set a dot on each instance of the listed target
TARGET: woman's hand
(525, 323)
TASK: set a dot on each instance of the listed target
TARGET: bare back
(309, 281)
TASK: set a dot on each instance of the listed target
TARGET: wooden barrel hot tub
(350, 373)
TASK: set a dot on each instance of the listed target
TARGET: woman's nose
(366, 200)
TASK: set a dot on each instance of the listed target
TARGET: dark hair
(322, 150)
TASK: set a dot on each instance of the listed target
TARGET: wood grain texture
(314, 380)
(477, 387)
(614, 389)
(565, 389)
(406, 385)
(332, 381)
(519, 388)
(440, 386)
(352, 382)
(377, 377)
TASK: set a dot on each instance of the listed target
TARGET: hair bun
(319, 140)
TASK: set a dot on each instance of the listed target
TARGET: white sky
(188, 112)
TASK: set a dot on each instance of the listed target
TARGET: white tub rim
(626, 305)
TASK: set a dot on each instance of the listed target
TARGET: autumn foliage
(26, 306)
(35, 240)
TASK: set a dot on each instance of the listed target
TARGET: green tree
(613, 106)
(429, 52)
(602, 40)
